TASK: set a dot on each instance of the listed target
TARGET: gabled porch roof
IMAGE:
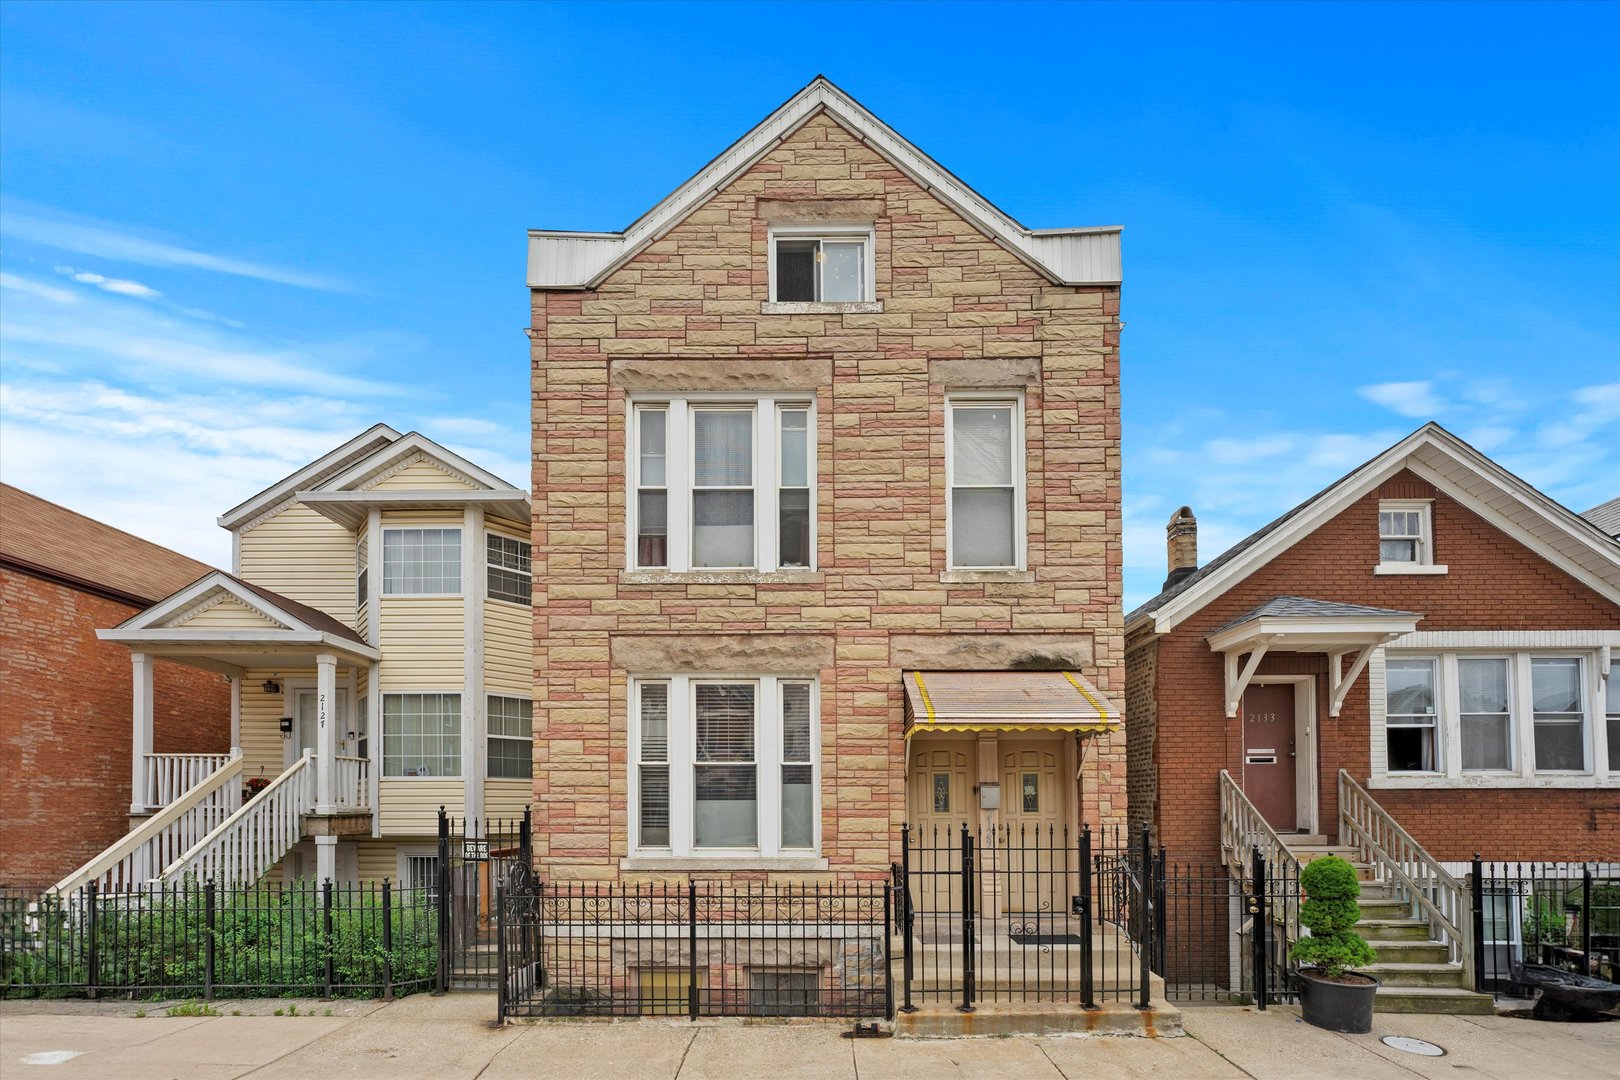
(263, 629)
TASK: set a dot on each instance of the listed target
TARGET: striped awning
(1006, 701)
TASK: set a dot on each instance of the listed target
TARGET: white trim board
(364, 443)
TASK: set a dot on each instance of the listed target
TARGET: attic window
(1406, 537)
(821, 267)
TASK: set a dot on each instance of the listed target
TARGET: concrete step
(1397, 929)
(940, 1020)
(1410, 952)
(1385, 909)
(1446, 1001)
(1416, 974)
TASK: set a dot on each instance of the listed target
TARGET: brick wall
(65, 725)
(686, 313)
(1493, 583)
(1141, 678)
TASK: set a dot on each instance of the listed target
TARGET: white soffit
(560, 259)
(367, 442)
(1549, 529)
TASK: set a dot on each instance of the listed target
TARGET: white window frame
(1020, 454)
(461, 569)
(382, 736)
(1424, 563)
(682, 737)
(490, 737)
(835, 232)
(489, 564)
(679, 464)
(1519, 648)
(1442, 745)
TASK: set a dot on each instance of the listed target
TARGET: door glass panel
(942, 793)
(1030, 785)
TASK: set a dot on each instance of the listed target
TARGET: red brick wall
(1493, 583)
(65, 726)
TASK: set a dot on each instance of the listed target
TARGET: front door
(1035, 877)
(1268, 753)
(939, 797)
(306, 724)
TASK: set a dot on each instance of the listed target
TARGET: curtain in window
(727, 807)
(1410, 716)
(982, 496)
(722, 487)
(652, 496)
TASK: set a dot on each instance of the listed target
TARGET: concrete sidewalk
(451, 1037)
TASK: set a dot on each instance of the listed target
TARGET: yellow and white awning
(1004, 701)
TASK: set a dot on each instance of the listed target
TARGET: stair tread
(1428, 991)
(1411, 965)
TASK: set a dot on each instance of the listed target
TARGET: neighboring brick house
(827, 496)
(1432, 625)
(65, 696)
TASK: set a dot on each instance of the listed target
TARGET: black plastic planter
(1337, 1006)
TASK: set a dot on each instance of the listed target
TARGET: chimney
(1181, 540)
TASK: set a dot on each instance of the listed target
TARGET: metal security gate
(1223, 933)
(476, 858)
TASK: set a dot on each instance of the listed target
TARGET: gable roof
(42, 537)
(1606, 516)
(347, 496)
(290, 616)
(329, 463)
(561, 259)
(1435, 454)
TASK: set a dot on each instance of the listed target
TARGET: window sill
(720, 577)
(800, 307)
(722, 862)
(1410, 568)
(971, 577)
(1487, 782)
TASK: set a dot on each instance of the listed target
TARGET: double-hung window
(1612, 719)
(1560, 737)
(422, 735)
(821, 266)
(722, 484)
(985, 475)
(1406, 537)
(421, 562)
(510, 751)
(362, 581)
(1410, 721)
(510, 576)
(724, 765)
(1487, 716)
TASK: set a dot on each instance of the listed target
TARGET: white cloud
(53, 228)
(113, 285)
(1414, 399)
(37, 289)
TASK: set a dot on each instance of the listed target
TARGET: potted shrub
(1331, 995)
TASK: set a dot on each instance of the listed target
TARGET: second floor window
(510, 576)
(985, 471)
(722, 485)
(421, 562)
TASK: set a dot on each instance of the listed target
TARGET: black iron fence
(694, 949)
(1042, 915)
(1558, 914)
(205, 940)
(476, 856)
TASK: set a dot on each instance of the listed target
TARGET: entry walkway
(450, 1037)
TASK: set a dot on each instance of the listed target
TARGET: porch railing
(353, 787)
(1243, 829)
(141, 855)
(169, 776)
(243, 848)
(1412, 873)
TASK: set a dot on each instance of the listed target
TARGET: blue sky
(231, 236)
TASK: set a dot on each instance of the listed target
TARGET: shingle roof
(43, 536)
(1305, 607)
(314, 618)
(1606, 516)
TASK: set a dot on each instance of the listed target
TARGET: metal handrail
(1413, 874)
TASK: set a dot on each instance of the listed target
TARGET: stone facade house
(65, 697)
(827, 501)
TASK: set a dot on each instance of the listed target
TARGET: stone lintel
(986, 372)
(696, 653)
(709, 373)
(991, 652)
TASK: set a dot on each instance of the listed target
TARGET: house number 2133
(1263, 717)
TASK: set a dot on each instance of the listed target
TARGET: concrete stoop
(1161, 1021)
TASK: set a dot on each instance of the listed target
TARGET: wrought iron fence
(694, 949)
(476, 855)
(1558, 914)
(205, 940)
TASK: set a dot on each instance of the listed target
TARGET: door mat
(1045, 939)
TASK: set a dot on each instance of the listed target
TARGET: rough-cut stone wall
(1492, 583)
(957, 311)
(66, 727)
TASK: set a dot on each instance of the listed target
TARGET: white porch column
(326, 858)
(325, 743)
(141, 745)
(236, 713)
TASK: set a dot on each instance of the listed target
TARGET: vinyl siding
(304, 556)
(231, 614)
(508, 649)
(423, 642)
(507, 798)
(411, 807)
(263, 748)
(421, 475)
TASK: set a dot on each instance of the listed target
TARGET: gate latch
(1077, 904)
(1251, 902)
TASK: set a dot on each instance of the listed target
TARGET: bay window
(421, 562)
(510, 750)
(421, 735)
(724, 765)
(510, 575)
(719, 483)
(985, 476)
